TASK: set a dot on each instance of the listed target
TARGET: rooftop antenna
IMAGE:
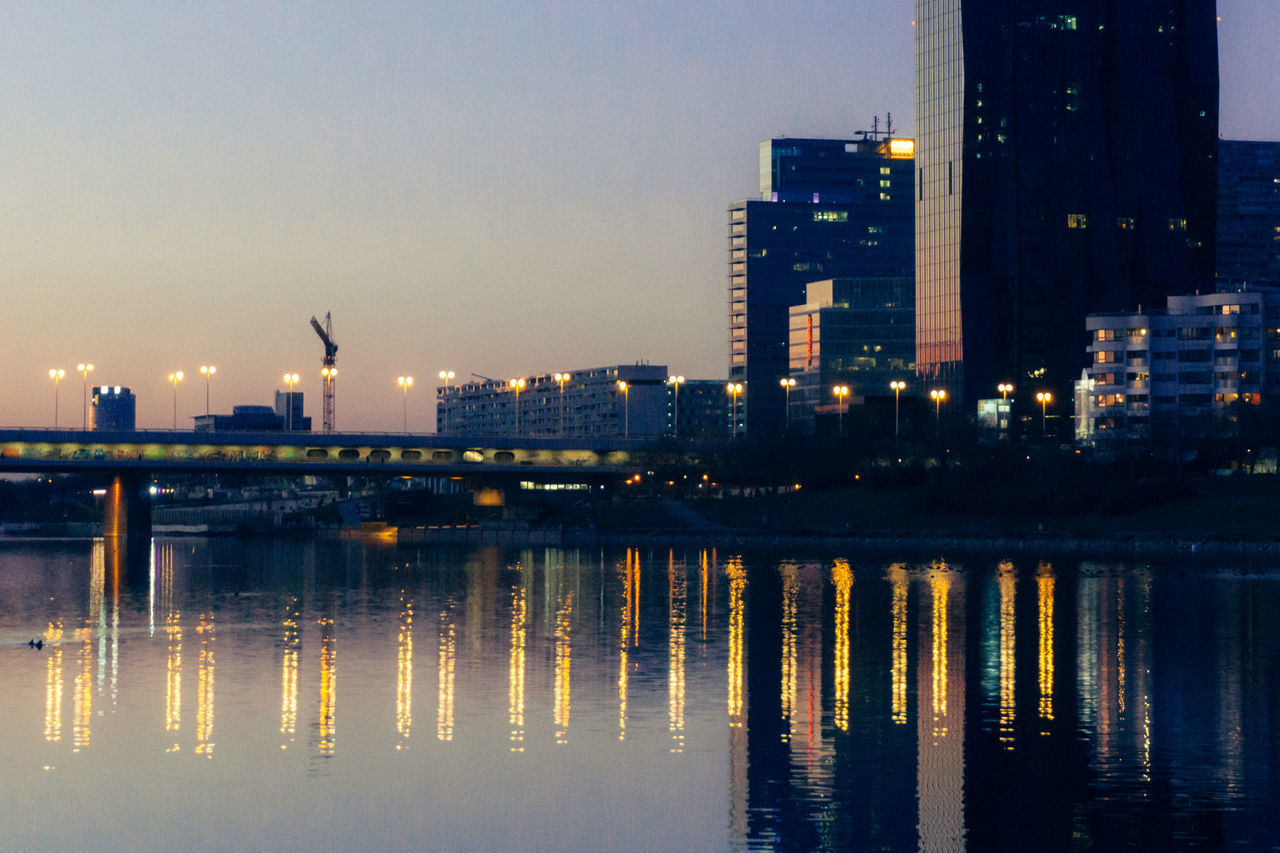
(889, 123)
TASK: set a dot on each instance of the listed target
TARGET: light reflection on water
(631, 699)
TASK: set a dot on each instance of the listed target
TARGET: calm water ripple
(337, 695)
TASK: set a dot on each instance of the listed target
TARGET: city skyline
(463, 190)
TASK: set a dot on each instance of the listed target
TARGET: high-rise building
(114, 409)
(1066, 158)
(1248, 212)
(828, 208)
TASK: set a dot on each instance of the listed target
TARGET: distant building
(1162, 377)
(1066, 160)
(1248, 213)
(703, 411)
(854, 331)
(828, 208)
(591, 404)
(114, 409)
(244, 419)
(289, 407)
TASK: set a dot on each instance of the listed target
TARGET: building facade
(115, 409)
(1066, 164)
(588, 402)
(828, 208)
(1248, 212)
(1181, 372)
(699, 410)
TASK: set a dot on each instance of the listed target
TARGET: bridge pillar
(127, 523)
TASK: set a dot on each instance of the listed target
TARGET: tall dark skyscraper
(1248, 212)
(829, 208)
(1067, 164)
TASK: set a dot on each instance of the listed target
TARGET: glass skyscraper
(829, 208)
(1066, 156)
(1248, 212)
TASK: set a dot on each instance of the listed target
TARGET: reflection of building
(1066, 165)
(592, 403)
(114, 408)
(1180, 372)
(828, 207)
(854, 331)
(1249, 212)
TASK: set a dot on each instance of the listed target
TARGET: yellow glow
(447, 671)
(842, 577)
(405, 382)
(677, 590)
(564, 667)
(898, 652)
(204, 686)
(624, 646)
(205, 369)
(1044, 585)
(790, 590)
(292, 643)
(516, 667)
(940, 587)
(737, 640)
(1007, 578)
(328, 718)
(902, 148)
(404, 668)
(53, 684)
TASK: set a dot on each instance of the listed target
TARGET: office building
(1248, 212)
(701, 411)
(1171, 374)
(621, 400)
(858, 332)
(114, 409)
(828, 208)
(246, 419)
(289, 407)
(1066, 165)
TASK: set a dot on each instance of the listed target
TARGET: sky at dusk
(496, 188)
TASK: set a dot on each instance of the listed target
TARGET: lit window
(1077, 220)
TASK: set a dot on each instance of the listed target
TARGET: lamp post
(329, 376)
(937, 395)
(1005, 390)
(516, 385)
(676, 381)
(84, 393)
(626, 396)
(445, 376)
(405, 383)
(562, 378)
(897, 385)
(207, 370)
(175, 378)
(290, 379)
(842, 393)
(734, 389)
(787, 384)
(1044, 398)
(56, 375)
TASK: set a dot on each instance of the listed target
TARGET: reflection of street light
(734, 389)
(787, 385)
(290, 379)
(1005, 390)
(897, 385)
(626, 396)
(175, 378)
(405, 383)
(562, 378)
(937, 395)
(445, 376)
(207, 370)
(84, 393)
(676, 381)
(516, 384)
(1044, 398)
(56, 375)
(841, 392)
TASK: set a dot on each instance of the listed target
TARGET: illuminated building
(1248, 212)
(827, 208)
(1066, 164)
(114, 409)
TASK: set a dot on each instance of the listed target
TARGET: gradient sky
(496, 188)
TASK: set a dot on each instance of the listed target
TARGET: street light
(290, 379)
(626, 394)
(207, 370)
(84, 393)
(175, 378)
(562, 378)
(937, 395)
(56, 375)
(445, 376)
(405, 383)
(677, 381)
(897, 385)
(734, 389)
(841, 392)
(517, 385)
(787, 385)
(1005, 390)
(1044, 398)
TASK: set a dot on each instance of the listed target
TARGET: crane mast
(329, 372)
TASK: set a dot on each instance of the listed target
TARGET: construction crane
(329, 372)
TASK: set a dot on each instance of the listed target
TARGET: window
(1194, 356)
(1105, 357)
(1177, 225)
(1105, 335)
(831, 216)
(1126, 223)
(1194, 333)
(1077, 221)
